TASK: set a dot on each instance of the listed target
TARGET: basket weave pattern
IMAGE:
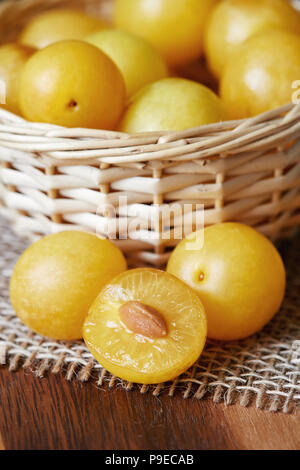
(53, 178)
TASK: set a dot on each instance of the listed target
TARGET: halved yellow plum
(146, 326)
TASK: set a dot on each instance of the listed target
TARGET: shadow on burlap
(264, 369)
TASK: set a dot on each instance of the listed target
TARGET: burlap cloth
(264, 369)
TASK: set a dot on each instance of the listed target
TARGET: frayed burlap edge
(263, 370)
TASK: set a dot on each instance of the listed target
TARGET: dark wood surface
(52, 413)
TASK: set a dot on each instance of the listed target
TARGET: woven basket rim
(227, 125)
(63, 144)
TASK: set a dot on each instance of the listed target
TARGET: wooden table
(52, 413)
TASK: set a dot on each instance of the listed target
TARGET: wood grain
(1, 443)
(52, 413)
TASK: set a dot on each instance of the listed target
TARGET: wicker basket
(54, 178)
